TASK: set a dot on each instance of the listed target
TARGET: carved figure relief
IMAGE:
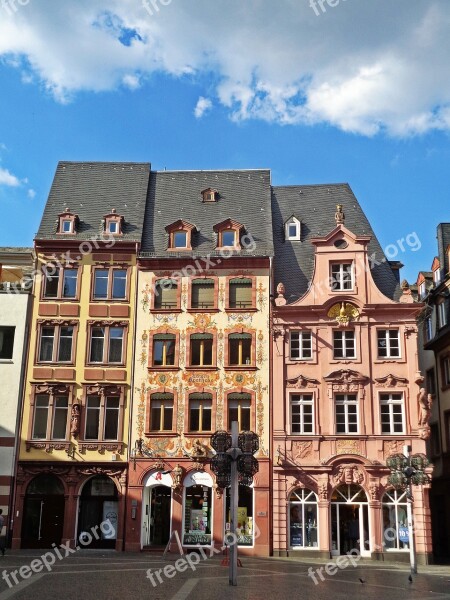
(301, 449)
(343, 313)
(425, 403)
(349, 474)
(75, 420)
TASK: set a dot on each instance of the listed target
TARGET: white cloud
(203, 105)
(8, 179)
(31, 194)
(363, 67)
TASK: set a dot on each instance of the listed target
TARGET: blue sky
(359, 93)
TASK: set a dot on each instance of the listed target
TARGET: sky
(319, 91)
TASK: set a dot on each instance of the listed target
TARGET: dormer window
(229, 234)
(292, 229)
(113, 223)
(180, 235)
(66, 222)
(435, 267)
(210, 195)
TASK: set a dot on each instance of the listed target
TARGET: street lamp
(234, 463)
(408, 470)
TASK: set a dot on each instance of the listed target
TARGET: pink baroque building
(345, 384)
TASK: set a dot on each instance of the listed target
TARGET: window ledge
(161, 368)
(165, 310)
(241, 310)
(241, 368)
(203, 310)
(47, 445)
(101, 446)
(6, 361)
(156, 434)
(52, 363)
(199, 368)
(109, 300)
(105, 365)
(65, 300)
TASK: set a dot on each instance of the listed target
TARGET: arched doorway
(43, 514)
(350, 520)
(156, 505)
(303, 519)
(98, 513)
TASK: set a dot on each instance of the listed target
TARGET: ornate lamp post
(234, 463)
(408, 470)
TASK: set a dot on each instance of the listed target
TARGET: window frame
(107, 343)
(56, 342)
(249, 396)
(201, 341)
(60, 287)
(160, 431)
(445, 371)
(301, 402)
(110, 283)
(209, 400)
(388, 346)
(171, 309)
(301, 334)
(103, 392)
(200, 280)
(53, 391)
(341, 274)
(293, 221)
(232, 279)
(441, 313)
(250, 336)
(345, 355)
(8, 359)
(346, 403)
(390, 402)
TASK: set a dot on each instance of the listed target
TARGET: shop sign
(403, 535)
(196, 538)
(198, 478)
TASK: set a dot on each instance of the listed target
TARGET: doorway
(43, 514)
(156, 516)
(349, 521)
(98, 505)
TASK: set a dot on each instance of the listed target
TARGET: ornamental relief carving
(301, 450)
(301, 382)
(390, 380)
(348, 447)
(348, 474)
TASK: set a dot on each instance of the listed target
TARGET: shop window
(202, 295)
(388, 343)
(164, 350)
(346, 407)
(239, 349)
(161, 412)
(50, 417)
(201, 354)
(102, 418)
(107, 345)
(240, 293)
(110, 284)
(344, 344)
(197, 515)
(303, 519)
(245, 515)
(300, 345)
(239, 409)
(302, 414)
(392, 413)
(200, 410)
(56, 344)
(166, 294)
(341, 276)
(6, 342)
(59, 283)
(395, 523)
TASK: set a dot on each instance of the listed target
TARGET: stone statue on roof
(339, 215)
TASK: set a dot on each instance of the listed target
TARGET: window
(442, 314)
(428, 329)
(200, 408)
(300, 345)
(303, 511)
(161, 412)
(302, 413)
(395, 524)
(50, 417)
(430, 381)
(388, 343)
(6, 342)
(228, 238)
(110, 284)
(66, 223)
(240, 349)
(446, 370)
(166, 294)
(113, 226)
(202, 293)
(341, 276)
(292, 229)
(106, 345)
(245, 531)
(229, 234)
(240, 293)
(67, 226)
(239, 409)
(210, 195)
(102, 418)
(180, 239)
(180, 235)
(437, 276)
(59, 283)
(344, 344)
(201, 350)
(422, 290)
(56, 343)
(346, 413)
(391, 409)
(164, 350)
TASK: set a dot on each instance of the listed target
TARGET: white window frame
(422, 290)
(339, 278)
(345, 349)
(390, 400)
(298, 229)
(303, 352)
(441, 314)
(437, 276)
(346, 402)
(387, 338)
(302, 401)
(428, 329)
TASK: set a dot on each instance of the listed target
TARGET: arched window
(395, 523)
(302, 519)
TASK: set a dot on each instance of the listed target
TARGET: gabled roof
(92, 190)
(173, 195)
(294, 263)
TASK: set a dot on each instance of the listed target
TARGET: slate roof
(315, 205)
(443, 237)
(91, 190)
(244, 196)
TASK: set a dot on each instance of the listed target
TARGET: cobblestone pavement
(104, 575)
